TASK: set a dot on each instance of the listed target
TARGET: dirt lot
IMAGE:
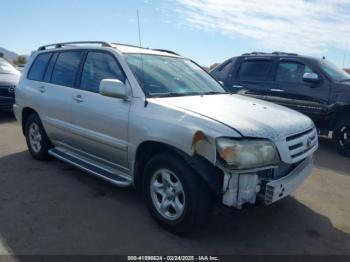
(52, 208)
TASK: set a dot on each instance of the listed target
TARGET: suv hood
(250, 117)
(8, 79)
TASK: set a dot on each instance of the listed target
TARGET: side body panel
(100, 126)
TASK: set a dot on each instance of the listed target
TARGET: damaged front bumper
(246, 188)
(280, 188)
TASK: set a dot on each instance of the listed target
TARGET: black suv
(309, 85)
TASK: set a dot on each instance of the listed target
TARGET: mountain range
(9, 55)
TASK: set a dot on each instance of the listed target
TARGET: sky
(207, 31)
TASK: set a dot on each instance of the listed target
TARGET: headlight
(246, 154)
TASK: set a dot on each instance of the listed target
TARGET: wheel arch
(212, 175)
(26, 112)
(340, 113)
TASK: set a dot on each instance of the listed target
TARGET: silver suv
(156, 121)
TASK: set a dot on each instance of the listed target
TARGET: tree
(20, 60)
(1, 54)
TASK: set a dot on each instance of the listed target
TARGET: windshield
(333, 71)
(7, 68)
(171, 76)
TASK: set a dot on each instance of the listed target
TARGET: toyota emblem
(308, 142)
(12, 89)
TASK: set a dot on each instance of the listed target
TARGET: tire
(194, 203)
(341, 136)
(37, 140)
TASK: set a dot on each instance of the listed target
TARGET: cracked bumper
(278, 189)
(245, 188)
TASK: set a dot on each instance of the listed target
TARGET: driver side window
(99, 66)
(292, 72)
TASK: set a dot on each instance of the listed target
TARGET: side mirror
(311, 78)
(114, 88)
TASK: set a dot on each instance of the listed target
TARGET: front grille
(300, 144)
(7, 91)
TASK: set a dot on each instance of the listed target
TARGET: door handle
(238, 86)
(276, 90)
(78, 98)
(42, 89)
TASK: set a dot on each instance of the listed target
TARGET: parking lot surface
(53, 208)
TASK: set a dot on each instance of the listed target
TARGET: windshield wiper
(214, 93)
(344, 80)
(174, 94)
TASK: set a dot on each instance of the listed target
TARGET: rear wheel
(341, 136)
(176, 197)
(37, 141)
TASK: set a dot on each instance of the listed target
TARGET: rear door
(50, 79)
(254, 77)
(290, 90)
(100, 122)
(56, 92)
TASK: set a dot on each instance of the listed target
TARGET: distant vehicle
(155, 120)
(309, 85)
(20, 67)
(9, 77)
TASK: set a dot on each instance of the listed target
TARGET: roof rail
(256, 53)
(273, 53)
(160, 50)
(166, 51)
(137, 46)
(284, 53)
(60, 45)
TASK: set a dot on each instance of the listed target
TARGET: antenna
(141, 55)
(138, 25)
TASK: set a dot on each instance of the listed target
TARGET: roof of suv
(124, 48)
(277, 54)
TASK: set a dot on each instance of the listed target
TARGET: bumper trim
(278, 189)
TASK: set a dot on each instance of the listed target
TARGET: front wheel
(341, 136)
(176, 197)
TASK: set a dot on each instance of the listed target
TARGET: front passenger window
(292, 72)
(99, 66)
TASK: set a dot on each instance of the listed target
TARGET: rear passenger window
(291, 72)
(47, 77)
(257, 70)
(99, 66)
(38, 68)
(66, 68)
(225, 69)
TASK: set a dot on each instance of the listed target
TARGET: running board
(93, 169)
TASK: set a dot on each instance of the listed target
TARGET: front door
(100, 123)
(290, 90)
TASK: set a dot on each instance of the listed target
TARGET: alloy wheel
(35, 138)
(167, 194)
